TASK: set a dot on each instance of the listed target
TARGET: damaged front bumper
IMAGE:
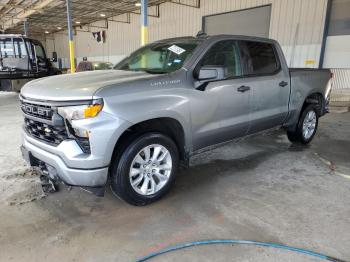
(54, 167)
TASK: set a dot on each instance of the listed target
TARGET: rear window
(260, 58)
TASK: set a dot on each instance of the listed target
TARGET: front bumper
(58, 170)
(67, 161)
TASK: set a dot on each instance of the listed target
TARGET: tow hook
(47, 184)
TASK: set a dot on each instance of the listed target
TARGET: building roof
(48, 16)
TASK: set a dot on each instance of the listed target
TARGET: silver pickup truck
(132, 127)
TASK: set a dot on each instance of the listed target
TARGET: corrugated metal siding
(296, 24)
(341, 78)
(340, 87)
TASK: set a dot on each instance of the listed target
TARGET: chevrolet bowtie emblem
(47, 130)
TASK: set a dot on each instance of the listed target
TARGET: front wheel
(146, 169)
(307, 126)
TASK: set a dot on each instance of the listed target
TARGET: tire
(132, 167)
(305, 134)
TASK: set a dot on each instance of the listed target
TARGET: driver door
(41, 60)
(222, 110)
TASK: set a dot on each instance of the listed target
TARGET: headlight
(82, 111)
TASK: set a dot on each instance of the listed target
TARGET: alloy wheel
(150, 169)
(309, 124)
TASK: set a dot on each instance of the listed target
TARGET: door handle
(243, 89)
(283, 84)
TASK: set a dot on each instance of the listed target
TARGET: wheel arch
(315, 98)
(164, 125)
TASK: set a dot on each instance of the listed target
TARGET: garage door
(337, 53)
(252, 22)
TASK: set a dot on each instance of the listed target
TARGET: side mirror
(209, 73)
(54, 57)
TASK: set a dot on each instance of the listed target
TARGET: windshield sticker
(176, 49)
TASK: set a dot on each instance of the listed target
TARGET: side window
(260, 58)
(39, 52)
(226, 54)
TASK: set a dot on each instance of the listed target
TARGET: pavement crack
(331, 166)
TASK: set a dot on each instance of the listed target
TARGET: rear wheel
(146, 169)
(307, 126)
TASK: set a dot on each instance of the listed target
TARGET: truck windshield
(159, 58)
(12, 48)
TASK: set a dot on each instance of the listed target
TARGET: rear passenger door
(269, 84)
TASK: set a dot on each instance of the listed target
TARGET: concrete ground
(340, 100)
(262, 189)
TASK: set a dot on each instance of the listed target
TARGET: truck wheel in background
(307, 126)
(146, 169)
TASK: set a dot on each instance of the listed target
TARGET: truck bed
(304, 82)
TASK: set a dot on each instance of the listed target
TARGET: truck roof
(220, 36)
(11, 35)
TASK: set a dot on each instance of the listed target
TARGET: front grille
(53, 135)
(44, 132)
(40, 111)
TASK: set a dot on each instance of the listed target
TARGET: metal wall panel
(341, 86)
(296, 24)
(341, 78)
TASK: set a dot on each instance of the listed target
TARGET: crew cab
(131, 127)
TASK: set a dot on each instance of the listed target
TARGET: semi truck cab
(22, 59)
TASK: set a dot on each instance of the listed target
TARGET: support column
(325, 33)
(70, 34)
(144, 22)
(26, 28)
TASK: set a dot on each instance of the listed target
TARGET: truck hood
(78, 86)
